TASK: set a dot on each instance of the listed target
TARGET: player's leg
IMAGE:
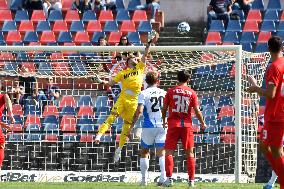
(160, 147)
(271, 182)
(2, 148)
(187, 139)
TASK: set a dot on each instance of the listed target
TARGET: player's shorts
(176, 133)
(153, 137)
(2, 146)
(125, 106)
(272, 134)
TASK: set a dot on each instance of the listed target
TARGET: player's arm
(146, 52)
(254, 88)
(164, 114)
(136, 116)
(200, 117)
(106, 83)
(9, 108)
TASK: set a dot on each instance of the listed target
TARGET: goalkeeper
(125, 106)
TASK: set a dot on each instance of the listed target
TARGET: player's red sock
(279, 164)
(191, 167)
(169, 165)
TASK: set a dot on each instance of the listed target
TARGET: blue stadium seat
(16, 4)
(50, 123)
(261, 47)
(258, 5)
(22, 56)
(247, 47)
(248, 37)
(43, 26)
(117, 125)
(234, 26)
(268, 26)
(106, 138)
(11, 67)
(55, 15)
(272, 15)
(274, 4)
(9, 26)
(86, 124)
(132, 4)
(262, 101)
(21, 15)
(222, 69)
(100, 120)
(212, 128)
(77, 26)
(85, 101)
(122, 14)
(134, 37)
(203, 70)
(212, 139)
(79, 69)
(231, 37)
(120, 4)
(33, 128)
(280, 26)
(217, 26)
(96, 37)
(225, 101)
(67, 110)
(102, 101)
(33, 137)
(88, 16)
(30, 36)
(209, 110)
(31, 110)
(15, 137)
(227, 121)
(280, 34)
(44, 69)
(102, 111)
(195, 121)
(198, 139)
(207, 101)
(64, 37)
(18, 119)
(144, 26)
(69, 137)
(111, 26)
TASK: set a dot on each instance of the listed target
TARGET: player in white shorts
(150, 103)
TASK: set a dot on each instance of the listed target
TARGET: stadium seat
(114, 38)
(11, 67)
(254, 15)
(226, 111)
(212, 139)
(26, 25)
(67, 110)
(262, 101)
(132, 4)
(15, 137)
(261, 47)
(67, 101)
(22, 56)
(32, 119)
(30, 66)
(139, 15)
(251, 26)
(127, 26)
(60, 26)
(77, 26)
(13, 36)
(225, 101)
(258, 5)
(274, 4)
(21, 15)
(122, 15)
(234, 26)
(144, 26)
(247, 47)
(47, 37)
(69, 137)
(86, 124)
(16, 128)
(50, 111)
(111, 26)
(280, 26)
(38, 15)
(5, 15)
(263, 37)
(261, 110)
(72, 16)
(86, 138)
(134, 38)
(204, 70)
(100, 120)
(67, 4)
(231, 37)
(43, 26)
(4, 5)
(30, 36)
(96, 37)
(105, 15)
(94, 26)
(17, 109)
(86, 111)
(61, 68)
(271, 15)
(32, 137)
(209, 110)
(248, 37)
(89, 16)
(217, 26)
(222, 69)
(282, 16)
(32, 128)
(81, 37)
(68, 123)
(213, 37)
(55, 15)
(207, 101)
(51, 137)
(79, 68)
(64, 37)
(2, 40)
(85, 101)
(102, 101)
(31, 110)
(227, 121)
(9, 26)
(120, 4)
(268, 26)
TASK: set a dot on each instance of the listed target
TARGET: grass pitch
(104, 185)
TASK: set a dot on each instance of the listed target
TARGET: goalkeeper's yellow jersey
(131, 79)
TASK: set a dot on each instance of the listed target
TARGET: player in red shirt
(179, 100)
(273, 131)
(4, 100)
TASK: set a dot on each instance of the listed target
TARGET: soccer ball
(183, 28)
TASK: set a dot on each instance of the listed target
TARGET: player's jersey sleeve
(273, 75)
(194, 100)
(141, 99)
(118, 77)
(140, 65)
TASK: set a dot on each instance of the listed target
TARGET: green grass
(96, 185)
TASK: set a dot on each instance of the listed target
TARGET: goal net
(218, 75)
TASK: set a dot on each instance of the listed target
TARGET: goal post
(217, 72)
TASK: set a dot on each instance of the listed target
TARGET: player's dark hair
(183, 76)
(275, 44)
(152, 78)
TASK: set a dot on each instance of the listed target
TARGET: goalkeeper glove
(151, 36)
(97, 79)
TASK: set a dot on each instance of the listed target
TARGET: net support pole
(238, 103)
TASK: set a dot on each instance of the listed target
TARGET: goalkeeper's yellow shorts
(125, 107)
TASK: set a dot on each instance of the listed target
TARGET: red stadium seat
(86, 111)
(59, 26)
(139, 15)
(51, 137)
(263, 37)
(17, 109)
(38, 15)
(68, 123)
(251, 26)
(114, 38)
(3, 5)
(213, 37)
(13, 37)
(67, 4)
(72, 15)
(17, 128)
(127, 26)
(29, 66)
(26, 25)
(254, 15)
(228, 129)
(87, 138)
(47, 37)
(34, 44)
(50, 110)
(227, 111)
(261, 110)
(32, 119)
(282, 16)
(67, 101)
(105, 15)
(228, 138)
(61, 69)
(56, 56)
(94, 26)
(5, 15)
(81, 37)
(247, 120)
